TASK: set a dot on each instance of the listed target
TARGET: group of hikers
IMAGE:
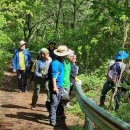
(54, 70)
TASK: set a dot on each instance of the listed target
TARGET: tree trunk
(58, 14)
(74, 15)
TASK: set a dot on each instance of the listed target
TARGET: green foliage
(2, 21)
(75, 109)
(94, 29)
(95, 79)
(123, 113)
(4, 56)
(76, 127)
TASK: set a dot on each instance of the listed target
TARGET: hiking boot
(33, 108)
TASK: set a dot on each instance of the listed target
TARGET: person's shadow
(35, 117)
(38, 118)
(30, 116)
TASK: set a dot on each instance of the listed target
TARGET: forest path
(15, 112)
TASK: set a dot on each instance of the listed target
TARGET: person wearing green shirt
(66, 85)
(67, 69)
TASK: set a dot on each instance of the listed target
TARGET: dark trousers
(55, 99)
(106, 87)
(110, 86)
(22, 80)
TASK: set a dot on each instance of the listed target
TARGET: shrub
(4, 56)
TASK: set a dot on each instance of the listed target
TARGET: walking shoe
(54, 124)
(33, 108)
(20, 91)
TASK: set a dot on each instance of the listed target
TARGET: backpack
(114, 73)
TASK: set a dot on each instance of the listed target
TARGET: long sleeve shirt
(42, 68)
(58, 72)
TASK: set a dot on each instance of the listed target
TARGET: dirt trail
(15, 112)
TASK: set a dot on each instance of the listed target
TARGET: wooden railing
(97, 115)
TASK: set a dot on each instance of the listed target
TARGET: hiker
(41, 70)
(115, 69)
(51, 48)
(73, 73)
(20, 64)
(56, 83)
(67, 72)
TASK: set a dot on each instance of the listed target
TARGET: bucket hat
(21, 43)
(62, 51)
(121, 55)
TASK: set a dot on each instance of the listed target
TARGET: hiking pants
(37, 87)
(107, 86)
(54, 103)
(22, 80)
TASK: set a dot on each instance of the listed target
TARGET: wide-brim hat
(62, 51)
(21, 43)
(121, 55)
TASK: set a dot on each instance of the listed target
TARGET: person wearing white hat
(20, 65)
(56, 82)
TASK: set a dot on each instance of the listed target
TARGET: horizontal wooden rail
(97, 115)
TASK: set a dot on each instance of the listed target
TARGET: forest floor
(16, 113)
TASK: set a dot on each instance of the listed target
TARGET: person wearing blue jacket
(56, 82)
(20, 65)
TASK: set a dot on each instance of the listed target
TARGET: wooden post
(88, 125)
